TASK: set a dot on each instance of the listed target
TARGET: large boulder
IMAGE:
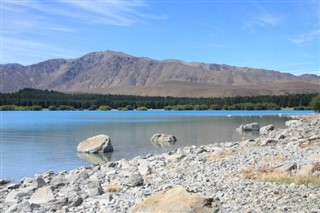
(249, 127)
(96, 144)
(177, 200)
(163, 140)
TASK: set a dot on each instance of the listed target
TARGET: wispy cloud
(307, 37)
(32, 27)
(16, 48)
(262, 21)
(267, 20)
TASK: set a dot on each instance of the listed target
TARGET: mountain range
(120, 73)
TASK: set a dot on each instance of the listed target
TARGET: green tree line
(53, 100)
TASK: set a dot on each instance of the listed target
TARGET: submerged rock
(163, 140)
(97, 144)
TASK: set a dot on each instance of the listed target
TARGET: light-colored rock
(286, 167)
(177, 200)
(42, 195)
(305, 170)
(266, 129)
(249, 127)
(291, 123)
(134, 179)
(163, 140)
(99, 143)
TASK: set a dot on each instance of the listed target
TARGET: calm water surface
(34, 142)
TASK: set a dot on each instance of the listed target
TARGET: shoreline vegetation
(277, 172)
(34, 100)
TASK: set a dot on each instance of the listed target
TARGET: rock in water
(177, 200)
(163, 140)
(249, 127)
(96, 144)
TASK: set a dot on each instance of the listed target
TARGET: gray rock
(96, 144)
(58, 181)
(292, 123)
(163, 140)
(249, 127)
(266, 129)
(4, 182)
(94, 192)
(287, 167)
(42, 195)
(39, 182)
(134, 179)
(75, 201)
(13, 186)
(268, 141)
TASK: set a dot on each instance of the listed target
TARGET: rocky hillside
(119, 73)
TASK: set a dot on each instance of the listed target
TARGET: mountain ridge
(120, 73)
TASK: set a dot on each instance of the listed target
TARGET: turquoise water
(34, 142)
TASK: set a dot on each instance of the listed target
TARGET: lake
(33, 142)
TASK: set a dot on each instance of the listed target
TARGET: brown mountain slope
(119, 73)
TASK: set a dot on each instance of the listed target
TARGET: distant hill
(119, 73)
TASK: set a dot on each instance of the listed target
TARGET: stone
(144, 170)
(39, 182)
(286, 167)
(4, 182)
(42, 195)
(292, 123)
(249, 127)
(13, 186)
(305, 170)
(163, 140)
(134, 179)
(177, 200)
(97, 144)
(266, 129)
(268, 141)
(58, 181)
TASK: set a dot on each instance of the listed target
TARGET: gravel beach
(277, 172)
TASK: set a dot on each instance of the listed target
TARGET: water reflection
(100, 158)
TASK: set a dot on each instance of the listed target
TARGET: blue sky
(282, 35)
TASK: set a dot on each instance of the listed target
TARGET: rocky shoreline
(260, 175)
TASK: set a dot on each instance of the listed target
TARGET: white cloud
(307, 37)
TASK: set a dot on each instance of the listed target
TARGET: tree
(315, 103)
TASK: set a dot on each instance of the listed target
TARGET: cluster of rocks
(209, 178)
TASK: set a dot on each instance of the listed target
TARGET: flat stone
(42, 195)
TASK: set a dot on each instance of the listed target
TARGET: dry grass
(112, 188)
(220, 155)
(309, 144)
(279, 176)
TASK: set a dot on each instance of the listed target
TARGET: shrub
(104, 108)
(65, 107)
(8, 107)
(52, 108)
(315, 103)
(142, 108)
